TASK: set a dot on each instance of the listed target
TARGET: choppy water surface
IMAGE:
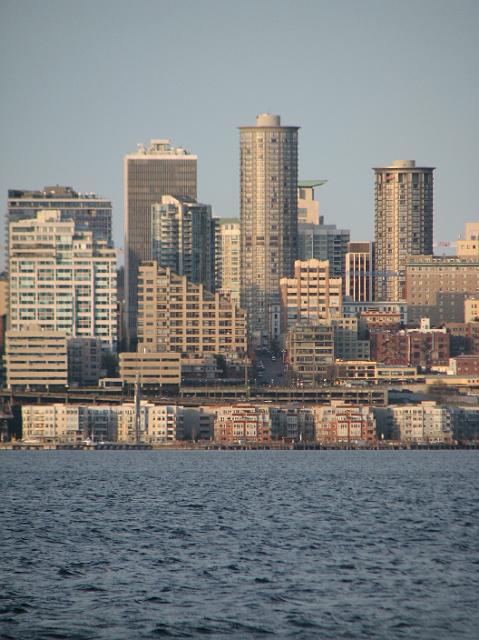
(313, 544)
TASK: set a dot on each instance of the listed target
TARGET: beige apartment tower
(175, 314)
(403, 223)
(269, 218)
(149, 174)
(230, 243)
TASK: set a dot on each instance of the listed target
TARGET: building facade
(324, 242)
(310, 351)
(183, 238)
(340, 424)
(359, 271)
(243, 423)
(311, 294)
(403, 223)
(421, 423)
(36, 358)
(469, 246)
(230, 261)
(154, 369)
(308, 207)
(62, 279)
(437, 287)
(150, 173)
(177, 315)
(269, 217)
(416, 348)
(88, 211)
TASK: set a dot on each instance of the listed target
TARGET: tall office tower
(359, 272)
(149, 174)
(183, 238)
(324, 242)
(308, 207)
(87, 210)
(269, 218)
(230, 243)
(62, 279)
(403, 222)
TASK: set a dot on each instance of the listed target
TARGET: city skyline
(379, 86)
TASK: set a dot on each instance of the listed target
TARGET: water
(306, 544)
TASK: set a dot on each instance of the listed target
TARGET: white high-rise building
(61, 279)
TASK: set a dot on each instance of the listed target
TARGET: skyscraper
(183, 237)
(403, 222)
(269, 219)
(150, 174)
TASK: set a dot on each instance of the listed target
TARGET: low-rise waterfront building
(341, 424)
(70, 424)
(426, 422)
(293, 422)
(243, 423)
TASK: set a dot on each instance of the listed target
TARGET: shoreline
(19, 446)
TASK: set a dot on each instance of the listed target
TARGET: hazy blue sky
(368, 82)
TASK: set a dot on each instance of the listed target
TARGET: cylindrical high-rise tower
(403, 222)
(269, 220)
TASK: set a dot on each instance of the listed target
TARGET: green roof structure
(304, 184)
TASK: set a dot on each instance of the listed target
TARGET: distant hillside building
(436, 287)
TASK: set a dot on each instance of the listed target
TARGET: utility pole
(137, 411)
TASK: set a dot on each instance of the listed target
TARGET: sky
(368, 82)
